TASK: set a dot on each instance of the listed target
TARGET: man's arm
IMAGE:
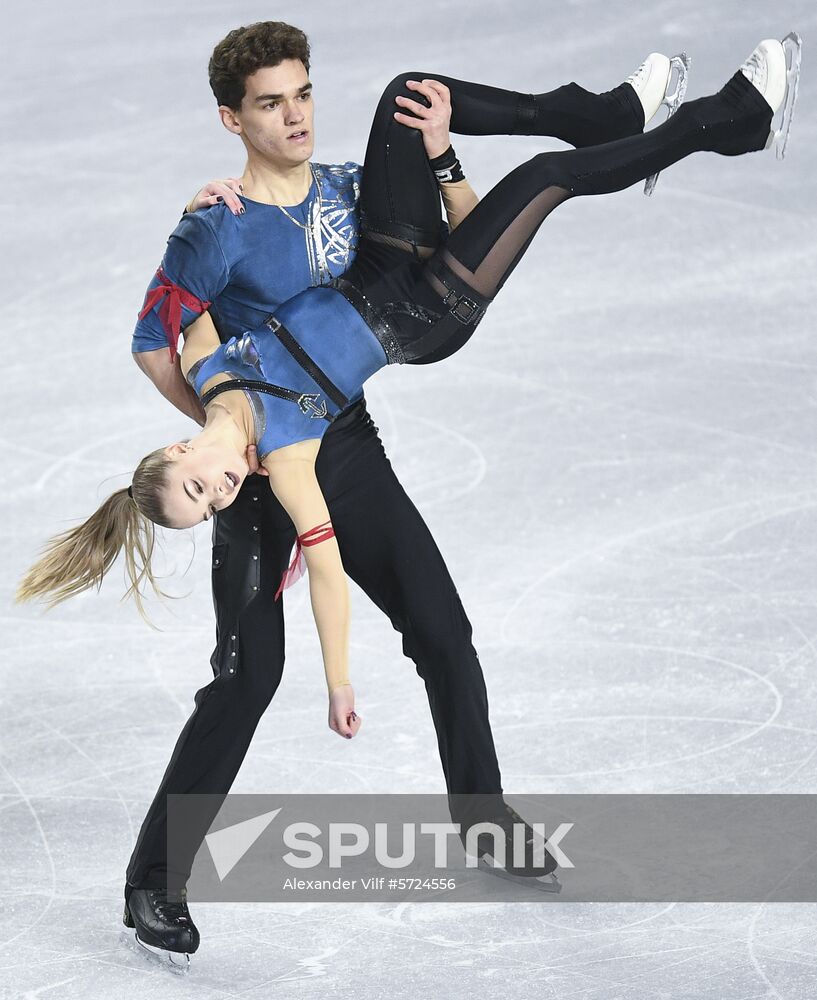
(193, 272)
(170, 382)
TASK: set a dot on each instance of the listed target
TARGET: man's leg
(252, 540)
(389, 552)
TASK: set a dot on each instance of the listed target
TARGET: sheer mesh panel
(508, 249)
(392, 241)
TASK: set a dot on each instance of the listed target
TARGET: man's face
(276, 114)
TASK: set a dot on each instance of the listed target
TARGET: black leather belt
(466, 307)
(307, 401)
(304, 360)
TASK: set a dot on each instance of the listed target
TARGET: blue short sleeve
(195, 266)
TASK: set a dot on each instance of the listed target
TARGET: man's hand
(342, 716)
(226, 190)
(432, 121)
(252, 460)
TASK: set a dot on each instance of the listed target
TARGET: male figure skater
(296, 226)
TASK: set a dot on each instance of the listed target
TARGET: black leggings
(431, 306)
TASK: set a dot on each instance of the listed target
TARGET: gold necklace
(311, 223)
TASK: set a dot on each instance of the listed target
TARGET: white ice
(627, 506)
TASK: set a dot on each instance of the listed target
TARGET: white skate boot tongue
(765, 69)
(650, 83)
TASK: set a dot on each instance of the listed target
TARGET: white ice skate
(774, 69)
(652, 81)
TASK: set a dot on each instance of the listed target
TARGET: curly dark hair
(248, 49)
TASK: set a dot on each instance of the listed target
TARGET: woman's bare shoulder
(294, 458)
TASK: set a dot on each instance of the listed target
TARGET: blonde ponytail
(78, 559)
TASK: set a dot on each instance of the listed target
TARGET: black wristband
(447, 168)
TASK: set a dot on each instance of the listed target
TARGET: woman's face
(200, 480)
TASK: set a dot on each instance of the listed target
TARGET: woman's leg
(480, 254)
(569, 113)
(400, 198)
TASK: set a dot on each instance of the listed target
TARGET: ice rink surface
(627, 506)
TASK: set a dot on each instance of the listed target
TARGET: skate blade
(793, 50)
(544, 883)
(678, 64)
(177, 962)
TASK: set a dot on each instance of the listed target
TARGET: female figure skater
(408, 298)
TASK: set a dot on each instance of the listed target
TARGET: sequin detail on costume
(411, 309)
(331, 233)
(243, 349)
(373, 318)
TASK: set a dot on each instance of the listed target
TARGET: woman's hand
(342, 716)
(432, 121)
(226, 190)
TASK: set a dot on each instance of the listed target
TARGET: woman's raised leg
(400, 197)
(480, 254)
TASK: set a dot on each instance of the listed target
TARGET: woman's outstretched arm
(293, 481)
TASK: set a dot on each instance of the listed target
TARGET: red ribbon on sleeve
(172, 298)
(297, 567)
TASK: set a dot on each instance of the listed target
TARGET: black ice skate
(528, 874)
(161, 926)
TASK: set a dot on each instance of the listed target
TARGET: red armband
(297, 567)
(172, 297)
